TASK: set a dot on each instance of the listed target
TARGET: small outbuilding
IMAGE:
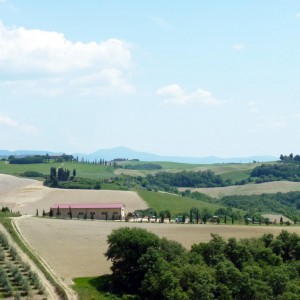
(99, 211)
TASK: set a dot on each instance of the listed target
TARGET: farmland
(249, 189)
(84, 242)
(26, 196)
(16, 276)
(84, 170)
(174, 203)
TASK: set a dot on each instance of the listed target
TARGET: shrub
(13, 253)
(31, 174)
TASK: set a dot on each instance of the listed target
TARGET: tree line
(39, 159)
(148, 166)
(145, 266)
(288, 168)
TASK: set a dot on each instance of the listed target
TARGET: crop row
(16, 277)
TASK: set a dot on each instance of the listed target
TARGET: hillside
(214, 179)
(248, 189)
(124, 152)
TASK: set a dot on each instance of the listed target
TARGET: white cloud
(174, 94)
(36, 57)
(9, 122)
(238, 46)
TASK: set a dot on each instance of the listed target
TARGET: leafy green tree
(198, 282)
(194, 214)
(277, 278)
(162, 283)
(237, 253)
(162, 216)
(227, 274)
(213, 252)
(125, 247)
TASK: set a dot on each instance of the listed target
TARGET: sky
(171, 77)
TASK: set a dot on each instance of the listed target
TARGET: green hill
(174, 203)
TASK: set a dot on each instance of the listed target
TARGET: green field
(90, 288)
(83, 170)
(175, 204)
(232, 171)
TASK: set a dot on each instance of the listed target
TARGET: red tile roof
(95, 205)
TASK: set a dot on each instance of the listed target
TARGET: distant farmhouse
(109, 211)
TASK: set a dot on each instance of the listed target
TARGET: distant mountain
(6, 153)
(126, 153)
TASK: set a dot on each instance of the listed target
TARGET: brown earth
(75, 248)
(26, 196)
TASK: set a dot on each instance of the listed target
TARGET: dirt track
(74, 248)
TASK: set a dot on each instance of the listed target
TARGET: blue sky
(185, 78)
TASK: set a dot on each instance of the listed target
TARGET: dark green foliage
(187, 179)
(143, 167)
(63, 174)
(125, 267)
(283, 203)
(152, 268)
(5, 209)
(267, 173)
(170, 181)
(36, 159)
(145, 212)
(62, 179)
(32, 174)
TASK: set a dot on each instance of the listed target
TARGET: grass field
(175, 204)
(88, 288)
(82, 170)
(232, 171)
(249, 189)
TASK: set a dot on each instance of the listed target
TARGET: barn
(99, 211)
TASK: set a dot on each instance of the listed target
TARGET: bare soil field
(75, 248)
(248, 189)
(26, 196)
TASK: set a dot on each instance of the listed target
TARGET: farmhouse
(99, 211)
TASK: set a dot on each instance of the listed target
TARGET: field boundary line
(69, 293)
